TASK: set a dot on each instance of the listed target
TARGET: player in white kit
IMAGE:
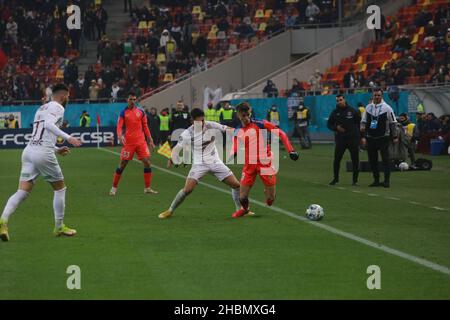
(206, 159)
(38, 158)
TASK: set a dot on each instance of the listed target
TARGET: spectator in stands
(350, 80)
(223, 24)
(402, 43)
(94, 89)
(432, 124)
(80, 87)
(115, 91)
(315, 81)
(297, 88)
(390, 28)
(143, 75)
(422, 18)
(153, 74)
(60, 45)
(12, 30)
(289, 21)
(71, 73)
(440, 76)
(106, 54)
(245, 30)
(270, 90)
(101, 19)
(312, 12)
(89, 23)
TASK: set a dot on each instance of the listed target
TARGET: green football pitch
(125, 252)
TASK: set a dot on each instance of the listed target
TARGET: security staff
(164, 125)
(301, 119)
(273, 116)
(211, 114)
(345, 122)
(12, 123)
(85, 119)
(3, 122)
(378, 125)
(227, 115)
(181, 119)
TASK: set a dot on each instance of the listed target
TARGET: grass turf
(124, 251)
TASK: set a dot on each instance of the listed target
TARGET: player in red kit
(135, 139)
(258, 156)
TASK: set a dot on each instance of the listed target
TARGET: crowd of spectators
(35, 38)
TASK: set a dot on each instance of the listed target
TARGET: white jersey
(48, 116)
(203, 141)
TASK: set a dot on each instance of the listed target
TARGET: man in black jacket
(345, 122)
(181, 119)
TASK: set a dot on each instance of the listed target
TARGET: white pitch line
(379, 246)
(389, 198)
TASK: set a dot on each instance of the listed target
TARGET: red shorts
(128, 151)
(268, 175)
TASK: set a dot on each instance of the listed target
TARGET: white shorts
(219, 169)
(37, 162)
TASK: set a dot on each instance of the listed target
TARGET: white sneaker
(150, 190)
(113, 191)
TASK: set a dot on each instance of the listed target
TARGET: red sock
(269, 202)
(147, 177)
(116, 178)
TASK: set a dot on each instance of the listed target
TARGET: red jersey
(134, 120)
(257, 143)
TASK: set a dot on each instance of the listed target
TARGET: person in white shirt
(38, 158)
(201, 138)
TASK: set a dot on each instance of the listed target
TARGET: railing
(334, 91)
(72, 101)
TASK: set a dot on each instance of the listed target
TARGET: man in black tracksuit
(378, 124)
(181, 119)
(345, 122)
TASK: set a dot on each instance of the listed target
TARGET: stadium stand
(198, 34)
(412, 49)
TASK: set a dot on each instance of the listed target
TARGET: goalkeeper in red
(258, 156)
(135, 137)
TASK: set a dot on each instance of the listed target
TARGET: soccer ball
(315, 212)
(403, 166)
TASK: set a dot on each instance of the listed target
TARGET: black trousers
(353, 147)
(374, 146)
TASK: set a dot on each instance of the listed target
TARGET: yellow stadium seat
(168, 77)
(259, 13)
(142, 25)
(268, 13)
(262, 26)
(359, 61)
(196, 10)
(415, 39)
(151, 24)
(59, 74)
(421, 30)
(214, 28)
